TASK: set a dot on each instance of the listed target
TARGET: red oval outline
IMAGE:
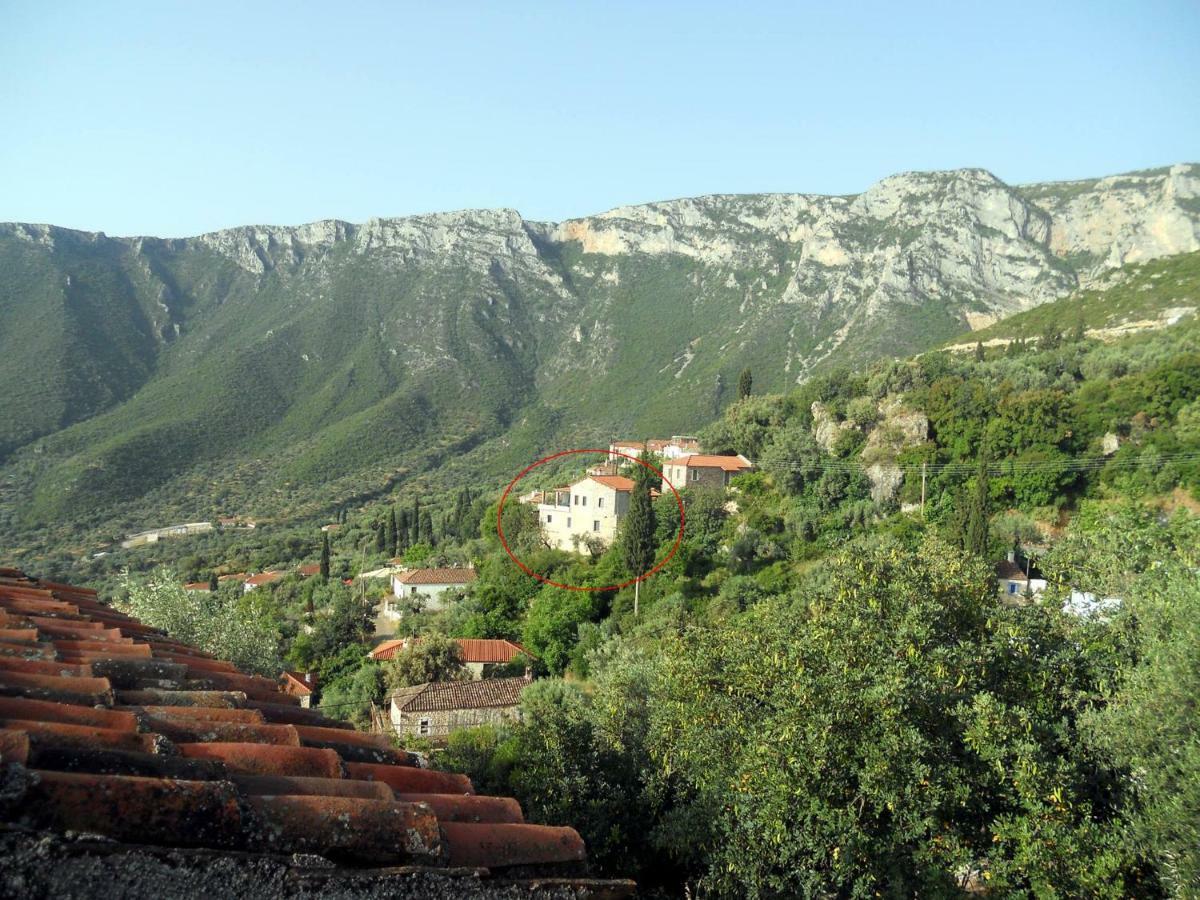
(574, 587)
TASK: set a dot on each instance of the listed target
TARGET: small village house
(436, 709)
(678, 445)
(588, 508)
(1017, 578)
(202, 586)
(154, 535)
(703, 470)
(255, 581)
(424, 588)
(299, 685)
(481, 656)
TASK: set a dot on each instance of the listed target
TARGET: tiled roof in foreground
(108, 727)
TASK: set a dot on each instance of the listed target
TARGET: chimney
(529, 673)
(1012, 556)
(308, 678)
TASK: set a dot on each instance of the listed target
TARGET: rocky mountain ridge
(332, 350)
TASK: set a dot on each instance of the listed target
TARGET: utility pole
(922, 490)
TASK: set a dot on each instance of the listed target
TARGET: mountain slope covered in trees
(289, 371)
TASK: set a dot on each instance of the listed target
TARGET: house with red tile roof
(478, 653)
(203, 586)
(309, 571)
(423, 589)
(678, 445)
(703, 470)
(301, 685)
(255, 581)
(136, 765)
(585, 511)
(437, 709)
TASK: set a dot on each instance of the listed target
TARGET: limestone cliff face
(1101, 224)
(961, 239)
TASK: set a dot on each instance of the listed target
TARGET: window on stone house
(424, 726)
(695, 474)
(596, 525)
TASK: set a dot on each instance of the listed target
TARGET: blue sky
(174, 118)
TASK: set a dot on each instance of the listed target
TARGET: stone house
(588, 508)
(299, 685)
(703, 470)
(436, 709)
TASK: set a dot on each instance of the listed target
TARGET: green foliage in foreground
(241, 628)
(887, 728)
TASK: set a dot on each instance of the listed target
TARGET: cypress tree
(402, 532)
(637, 531)
(213, 582)
(380, 538)
(976, 538)
(979, 351)
(427, 528)
(324, 554)
(718, 394)
(392, 533)
(745, 384)
(414, 520)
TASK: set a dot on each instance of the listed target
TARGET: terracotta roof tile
(444, 695)
(474, 650)
(616, 482)
(108, 726)
(708, 461)
(264, 578)
(437, 576)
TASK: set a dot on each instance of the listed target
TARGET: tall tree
(324, 554)
(432, 657)
(427, 528)
(979, 351)
(392, 533)
(414, 519)
(402, 532)
(637, 531)
(380, 538)
(979, 511)
(213, 581)
(745, 384)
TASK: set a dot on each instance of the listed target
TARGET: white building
(423, 588)
(679, 445)
(589, 508)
